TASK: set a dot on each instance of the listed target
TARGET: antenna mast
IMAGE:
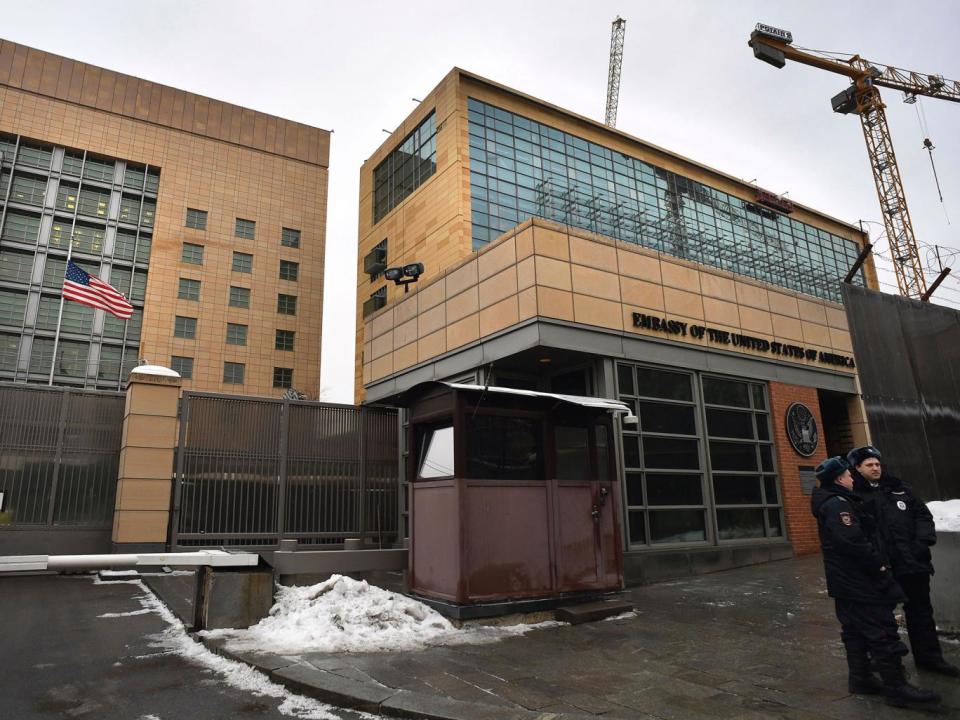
(613, 75)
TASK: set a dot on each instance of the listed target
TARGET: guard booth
(513, 496)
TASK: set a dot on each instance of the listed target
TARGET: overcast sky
(689, 84)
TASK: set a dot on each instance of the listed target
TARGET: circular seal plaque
(802, 429)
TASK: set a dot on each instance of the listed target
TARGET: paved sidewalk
(757, 642)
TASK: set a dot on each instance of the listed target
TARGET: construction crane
(774, 46)
(613, 74)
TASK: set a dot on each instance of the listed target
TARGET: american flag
(89, 290)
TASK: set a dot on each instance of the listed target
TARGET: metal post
(936, 283)
(362, 451)
(858, 262)
(58, 457)
(56, 337)
(282, 478)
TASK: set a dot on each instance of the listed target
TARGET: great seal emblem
(802, 429)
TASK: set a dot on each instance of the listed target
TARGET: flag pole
(56, 337)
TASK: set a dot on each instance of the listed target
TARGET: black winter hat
(858, 455)
(831, 468)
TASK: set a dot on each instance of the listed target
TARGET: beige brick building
(209, 216)
(565, 256)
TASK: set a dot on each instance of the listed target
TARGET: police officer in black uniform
(863, 588)
(908, 531)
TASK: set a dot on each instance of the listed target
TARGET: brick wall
(801, 525)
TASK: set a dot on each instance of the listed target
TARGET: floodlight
(393, 273)
(413, 270)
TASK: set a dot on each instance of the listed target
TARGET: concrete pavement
(756, 642)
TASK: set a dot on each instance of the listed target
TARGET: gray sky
(689, 84)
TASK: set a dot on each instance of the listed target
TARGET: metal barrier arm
(209, 558)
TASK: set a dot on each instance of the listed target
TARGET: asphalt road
(59, 659)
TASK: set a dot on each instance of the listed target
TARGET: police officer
(863, 588)
(908, 531)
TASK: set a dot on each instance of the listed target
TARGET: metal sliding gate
(253, 471)
(59, 455)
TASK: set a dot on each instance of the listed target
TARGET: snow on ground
(946, 514)
(346, 615)
(175, 640)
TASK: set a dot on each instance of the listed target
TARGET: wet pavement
(756, 642)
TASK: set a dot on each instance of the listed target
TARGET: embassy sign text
(725, 337)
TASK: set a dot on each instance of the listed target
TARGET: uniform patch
(846, 519)
(901, 504)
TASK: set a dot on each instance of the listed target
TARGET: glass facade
(520, 168)
(700, 463)
(406, 168)
(49, 194)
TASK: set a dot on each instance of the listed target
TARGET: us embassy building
(209, 217)
(564, 256)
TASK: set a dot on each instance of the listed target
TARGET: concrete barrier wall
(945, 583)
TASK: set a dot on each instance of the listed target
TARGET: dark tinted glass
(670, 453)
(664, 418)
(625, 380)
(603, 453)
(739, 523)
(758, 400)
(659, 384)
(729, 423)
(573, 453)
(773, 518)
(763, 427)
(631, 451)
(674, 489)
(770, 485)
(766, 458)
(737, 490)
(637, 528)
(571, 383)
(725, 392)
(733, 456)
(504, 448)
(673, 526)
(634, 489)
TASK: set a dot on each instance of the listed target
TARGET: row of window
(113, 365)
(406, 168)
(234, 373)
(79, 164)
(247, 229)
(242, 262)
(520, 168)
(239, 297)
(89, 202)
(186, 328)
(87, 239)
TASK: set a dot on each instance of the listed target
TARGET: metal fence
(253, 471)
(59, 454)
(908, 359)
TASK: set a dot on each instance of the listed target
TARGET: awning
(581, 400)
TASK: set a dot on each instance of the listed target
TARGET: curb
(371, 697)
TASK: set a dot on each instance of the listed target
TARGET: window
(236, 334)
(24, 228)
(287, 304)
(28, 190)
(245, 229)
(504, 448)
(15, 266)
(284, 340)
(86, 238)
(282, 377)
(239, 297)
(72, 162)
(435, 452)
(406, 168)
(149, 213)
(77, 318)
(233, 373)
(289, 270)
(124, 246)
(12, 307)
(129, 209)
(290, 238)
(745, 487)
(94, 202)
(108, 367)
(377, 299)
(95, 169)
(67, 197)
(133, 177)
(152, 183)
(185, 327)
(9, 351)
(192, 254)
(196, 219)
(34, 156)
(182, 365)
(242, 262)
(189, 289)
(71, 358)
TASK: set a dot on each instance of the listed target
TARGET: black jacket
(852, 550)
(905, 523)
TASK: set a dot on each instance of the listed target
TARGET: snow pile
(346, 615)
(946, 514)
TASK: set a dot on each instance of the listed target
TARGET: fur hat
(858, 455)
(831, 468)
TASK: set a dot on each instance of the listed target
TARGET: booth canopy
(578, 400)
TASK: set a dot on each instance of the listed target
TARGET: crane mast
(862, 98)
(613, 75)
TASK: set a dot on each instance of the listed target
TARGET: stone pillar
(142, 511)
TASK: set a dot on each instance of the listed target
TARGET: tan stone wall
(432, 226)
(548, 270)
(239, 166)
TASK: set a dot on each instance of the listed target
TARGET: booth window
(504, 448)
(436, 453)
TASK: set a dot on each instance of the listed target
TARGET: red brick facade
(801, 525)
